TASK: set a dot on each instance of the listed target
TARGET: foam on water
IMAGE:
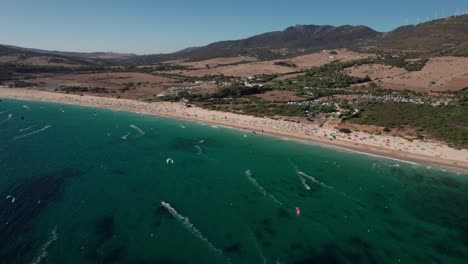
(189, 226)
(32, 133)
(43, 253)
(262, 190)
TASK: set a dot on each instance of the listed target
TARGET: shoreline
(420, 152)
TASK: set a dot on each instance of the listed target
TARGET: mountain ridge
(448, 36)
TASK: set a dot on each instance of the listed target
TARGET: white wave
(25, 129)
(32, 133)
(138, 129)
(262, 190)
(43, 254)
(189, 226)
(27, 107)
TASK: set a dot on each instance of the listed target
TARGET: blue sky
(161, 26)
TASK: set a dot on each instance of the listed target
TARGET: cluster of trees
(446, 123)
(286, 64)
(82, 89)
(237, 91)
(321, 81)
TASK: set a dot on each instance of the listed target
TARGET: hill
(17, 55)
(89, 55)
(447, 36)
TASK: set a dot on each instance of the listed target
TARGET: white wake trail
(260, 253)
(25, 129)
(303, 181)
(315, 180)
(262, 190)
(199, 149)
(125, 136)
(32, 133)
(26, 107)
(189, 226)
(5, 120)
(138, 129)
(43, 254)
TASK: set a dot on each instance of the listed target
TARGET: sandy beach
(423, 152)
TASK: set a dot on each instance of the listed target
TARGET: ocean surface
(85, 185)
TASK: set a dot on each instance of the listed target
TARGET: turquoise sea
(87, 185)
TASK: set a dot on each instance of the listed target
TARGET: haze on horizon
(144, 27)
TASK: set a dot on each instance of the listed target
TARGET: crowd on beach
(388, 145)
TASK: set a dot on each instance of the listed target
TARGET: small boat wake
(262, 190)
(26, 107)
(43, 254)
(190, 227)
(32, 133)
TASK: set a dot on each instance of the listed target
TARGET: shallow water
(79, 187)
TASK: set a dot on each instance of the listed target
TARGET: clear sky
(161, 26)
